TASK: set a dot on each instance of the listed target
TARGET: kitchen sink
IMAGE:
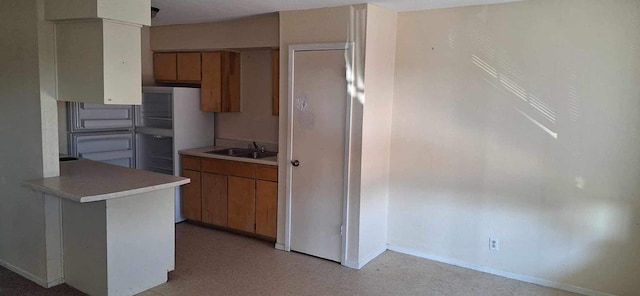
(240, 152)
(230, 152)
(67, 158)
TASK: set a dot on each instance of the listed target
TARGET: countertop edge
(101, 197)
(199, 152)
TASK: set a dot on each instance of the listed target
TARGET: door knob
(295, 163)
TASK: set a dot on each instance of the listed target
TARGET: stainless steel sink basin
(67, 158)
(257, 154)
(240, 152)
(230, 152)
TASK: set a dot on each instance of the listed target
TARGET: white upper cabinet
(98, 49)
(129, 11)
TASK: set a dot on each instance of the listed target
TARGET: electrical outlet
(494, 244)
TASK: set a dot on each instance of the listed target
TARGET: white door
(318, 146)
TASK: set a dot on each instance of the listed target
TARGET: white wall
(28, 126)
(381, 25)
(520, 121)
(256, 121)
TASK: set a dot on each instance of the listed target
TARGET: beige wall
(261, 31)
(373, 34)
(327, 25)
(28, 126)
(520, 121)
(255, 122)
(379, 65)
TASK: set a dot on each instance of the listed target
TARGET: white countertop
(200, 152)
(86, 181)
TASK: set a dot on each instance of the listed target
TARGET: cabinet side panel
(275, 82)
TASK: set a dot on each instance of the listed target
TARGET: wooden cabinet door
(214, 199)
(230, 81)
(191, 196)
(164, 66)
(188, 67)
(211, 86)
(266, 208)
(241, 204)
(220, 86)
(275, 85)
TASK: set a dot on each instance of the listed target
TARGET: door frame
(349, 56)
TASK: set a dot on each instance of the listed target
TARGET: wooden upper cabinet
(177, 67)
(164, 66)
(188, 67)
(220, 86)
(275, 85)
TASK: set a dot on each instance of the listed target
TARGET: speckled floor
(211, 262)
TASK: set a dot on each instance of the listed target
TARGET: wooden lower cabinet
(191, 196)
(241, 204)
(214, 199)
(231, 194)
(266, 208)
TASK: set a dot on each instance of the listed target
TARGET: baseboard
(279, 246)
(506, 274)
(371, 256)
(25, 274)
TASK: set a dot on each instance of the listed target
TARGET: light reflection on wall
(501, 73)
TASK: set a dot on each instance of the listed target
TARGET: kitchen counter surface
(200, 152)
(85, 180)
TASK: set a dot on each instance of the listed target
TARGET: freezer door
(85, 117)
(155, 153)
(110, 147)
(156, 110)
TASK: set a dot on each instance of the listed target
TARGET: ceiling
(198, 11)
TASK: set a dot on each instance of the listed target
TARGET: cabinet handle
(295, 163)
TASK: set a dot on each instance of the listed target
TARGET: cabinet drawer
(227, 167)
(190, 163)
(269, 173)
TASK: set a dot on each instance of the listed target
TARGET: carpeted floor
(211, 262)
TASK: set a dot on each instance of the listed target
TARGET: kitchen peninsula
(117, 226)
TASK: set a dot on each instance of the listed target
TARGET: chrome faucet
(255, 147)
